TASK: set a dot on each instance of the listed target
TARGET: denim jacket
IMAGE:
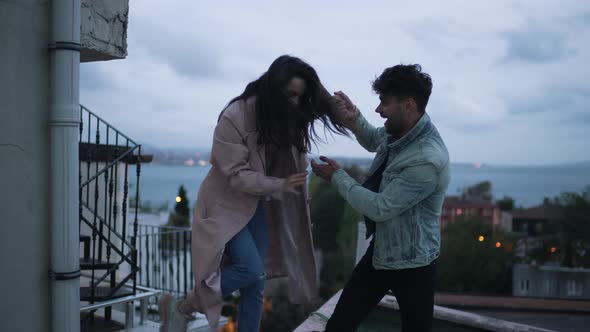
(408, 205)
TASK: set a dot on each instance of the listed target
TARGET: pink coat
(227, 201)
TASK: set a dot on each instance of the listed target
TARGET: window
(547, 286)
(524, 286)
(574, 288)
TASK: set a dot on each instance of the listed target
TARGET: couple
(251, 219)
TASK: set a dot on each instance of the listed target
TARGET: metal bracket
(64, 275)
(61, 45)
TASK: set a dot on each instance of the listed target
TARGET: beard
(393, 128)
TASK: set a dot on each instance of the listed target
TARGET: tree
(474, 258)
(574, 228)
(326, 211)
(482, 190)
(334, 232)
(506, 203)
(181, 206)
(180, 216)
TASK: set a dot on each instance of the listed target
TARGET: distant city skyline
(179, 156)
(510, 78)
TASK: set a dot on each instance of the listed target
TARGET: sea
(527, 185)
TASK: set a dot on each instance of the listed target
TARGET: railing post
(143, 310)
(184, 238)
(135, 222)
(96, 191)
(177, 233)
(147, 255)
(129, 315)
(161, 266)
(116, 187)
(170, 262)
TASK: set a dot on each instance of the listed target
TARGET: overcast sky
(510, 77)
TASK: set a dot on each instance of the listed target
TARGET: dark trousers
(413, 288)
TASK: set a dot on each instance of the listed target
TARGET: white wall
(24, 160)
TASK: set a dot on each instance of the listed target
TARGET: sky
(510, 77)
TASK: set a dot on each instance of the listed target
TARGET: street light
(498, 244)
(481, 238)
(178, 199)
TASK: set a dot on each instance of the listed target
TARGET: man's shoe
(171, 320)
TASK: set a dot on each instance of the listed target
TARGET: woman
(251, 219)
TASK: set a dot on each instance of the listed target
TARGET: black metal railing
(164, 257)
(110, 248)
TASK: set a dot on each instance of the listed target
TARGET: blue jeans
(247, 251)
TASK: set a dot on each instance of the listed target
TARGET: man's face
(393, 110)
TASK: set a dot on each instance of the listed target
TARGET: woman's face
(295, 89)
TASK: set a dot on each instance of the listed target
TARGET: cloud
(565, 104)
(585, 18)
(192, 57)
(505, 73)
(92, 78)
(538, 44)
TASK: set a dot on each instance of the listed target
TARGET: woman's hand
(294, 181)
(347, 112)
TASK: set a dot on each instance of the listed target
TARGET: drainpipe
(64, 122)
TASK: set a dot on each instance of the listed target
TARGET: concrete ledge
(317, 320)
(103, 31)
(512, 303)
(470, 319)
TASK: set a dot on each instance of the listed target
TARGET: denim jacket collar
(422, 126)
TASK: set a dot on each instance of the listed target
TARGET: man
(401, 201)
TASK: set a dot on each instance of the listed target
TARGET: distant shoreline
(363, 161)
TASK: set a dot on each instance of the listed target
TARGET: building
(455, 207)
(551, 282)
(532, 221)
(531, 224)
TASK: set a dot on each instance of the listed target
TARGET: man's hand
(347, 113)
(325, 171)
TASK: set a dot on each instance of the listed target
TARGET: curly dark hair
(278, 121)
(405, 81)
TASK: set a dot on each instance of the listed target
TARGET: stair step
(101, 293)
(89, 152)
(86, 264)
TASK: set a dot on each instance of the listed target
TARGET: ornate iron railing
(109, 246)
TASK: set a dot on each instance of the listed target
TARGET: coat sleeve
(230, 153)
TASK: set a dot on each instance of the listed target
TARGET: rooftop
(547, 212)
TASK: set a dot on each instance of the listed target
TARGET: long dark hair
(281, 123)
